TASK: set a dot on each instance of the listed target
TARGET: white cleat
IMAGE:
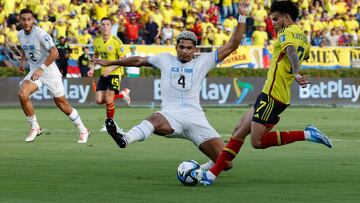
(84, 137)
(126, 94)
(103, 129)
(32, 134)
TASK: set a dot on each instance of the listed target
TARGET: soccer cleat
(116, 133)
(205, 180)
(317, 136)
(126, 94)
(32, 134)
(84, 137)
(103, 128)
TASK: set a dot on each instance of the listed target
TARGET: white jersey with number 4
(36, 46)
(181, 82)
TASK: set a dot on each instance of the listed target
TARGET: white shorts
(194, 127)
(54, 84)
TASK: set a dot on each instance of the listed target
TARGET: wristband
(241, 19)
(43, 66)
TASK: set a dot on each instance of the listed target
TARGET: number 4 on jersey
(181, 81)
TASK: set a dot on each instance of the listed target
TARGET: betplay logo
(246, 87)
(329, 90)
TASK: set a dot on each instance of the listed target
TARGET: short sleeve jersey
(181, 82)
(110, 50)
(37, 45)
(280, 75)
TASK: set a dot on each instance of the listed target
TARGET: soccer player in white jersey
(40, 52)
(181, 78)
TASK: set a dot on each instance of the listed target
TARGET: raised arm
(128, 61)
(235, 39)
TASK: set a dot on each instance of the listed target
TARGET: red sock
(110, 110)
(228, 153)
(281, 138)
(118, 96)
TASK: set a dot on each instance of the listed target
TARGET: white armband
(43, 66)
(242, 19)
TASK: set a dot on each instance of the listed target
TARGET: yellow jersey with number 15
(112, 49)
(281, 75)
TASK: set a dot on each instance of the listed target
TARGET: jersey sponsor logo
(241, 89)
(331, 90)
(282, 38)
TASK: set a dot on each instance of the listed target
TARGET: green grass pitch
(55, 168)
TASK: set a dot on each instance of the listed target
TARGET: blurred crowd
(326, 22)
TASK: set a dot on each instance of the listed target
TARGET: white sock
(75, 118)
(140, 132)
(307, 135)
(33, 122)
(206, 166)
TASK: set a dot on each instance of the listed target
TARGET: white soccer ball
(189, 172)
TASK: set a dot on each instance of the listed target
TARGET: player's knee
(99, 101)
(22, 95)
(108, 100)
(256, 143)
(163, 131)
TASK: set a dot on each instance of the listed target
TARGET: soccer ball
(189, 172)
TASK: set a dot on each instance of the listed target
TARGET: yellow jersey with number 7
(281, 75)
(112, 49)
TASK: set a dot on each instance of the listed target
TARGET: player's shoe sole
(112, 131)
(317, 136)
(33, 133)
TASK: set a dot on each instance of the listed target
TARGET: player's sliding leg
(230, 151)
(124, 95)
(26, 89)
(74, 116)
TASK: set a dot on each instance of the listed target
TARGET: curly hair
(186, 35)
(285, 6)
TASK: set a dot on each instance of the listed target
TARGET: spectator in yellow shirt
(84, 19)
(12, 35)
(168, 13)
(219, 37)
(85, 37)
(46, 25)
(60, 29)
(100, 10)
(230, 23)
(260, 36)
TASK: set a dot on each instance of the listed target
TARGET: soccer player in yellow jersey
(290, 49)
(109, 47)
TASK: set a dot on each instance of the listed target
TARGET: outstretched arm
(128, 61)
(235, 39)
(295, 64)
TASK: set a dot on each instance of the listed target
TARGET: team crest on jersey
(32, 47)
(282, 38)
(110, 48)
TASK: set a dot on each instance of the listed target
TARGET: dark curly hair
(285, 6)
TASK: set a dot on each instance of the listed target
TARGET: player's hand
(245, 8)
(37, 74)
(90, 73)
(21, 69)
(100, 62)
(302, 80)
